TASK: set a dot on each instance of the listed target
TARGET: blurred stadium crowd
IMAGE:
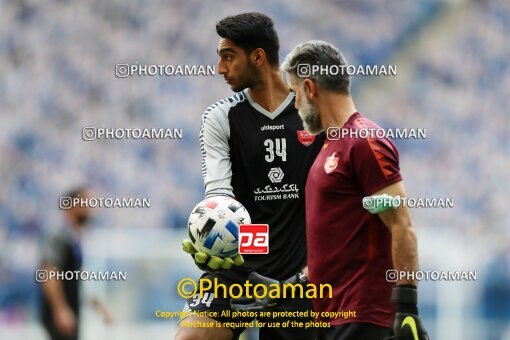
(57, 61)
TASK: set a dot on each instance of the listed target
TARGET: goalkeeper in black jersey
(255, 149)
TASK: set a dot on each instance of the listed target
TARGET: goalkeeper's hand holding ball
(210, 263)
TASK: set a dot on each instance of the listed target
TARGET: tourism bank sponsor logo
(276, 192)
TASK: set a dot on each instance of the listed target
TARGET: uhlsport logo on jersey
(305, 138)
(254, 239)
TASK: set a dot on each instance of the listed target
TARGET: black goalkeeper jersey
(262, 159)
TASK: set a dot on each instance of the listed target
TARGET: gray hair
(316, 59)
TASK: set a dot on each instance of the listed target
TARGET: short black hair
(251, 31)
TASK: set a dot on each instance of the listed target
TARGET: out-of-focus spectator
(62, 253)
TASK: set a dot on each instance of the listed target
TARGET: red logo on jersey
(331, 163)
(305, 138)
(253, 239)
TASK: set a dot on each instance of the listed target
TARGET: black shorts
(210, 303)
(353, 331)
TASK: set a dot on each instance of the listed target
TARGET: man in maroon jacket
(348, 247)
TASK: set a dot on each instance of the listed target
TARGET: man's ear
(310, 89)
(257, 57)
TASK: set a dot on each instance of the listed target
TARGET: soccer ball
(213, 225)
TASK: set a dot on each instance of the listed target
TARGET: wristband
(405, 298)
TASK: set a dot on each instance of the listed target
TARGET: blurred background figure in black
(62, 252)
(495, 297)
